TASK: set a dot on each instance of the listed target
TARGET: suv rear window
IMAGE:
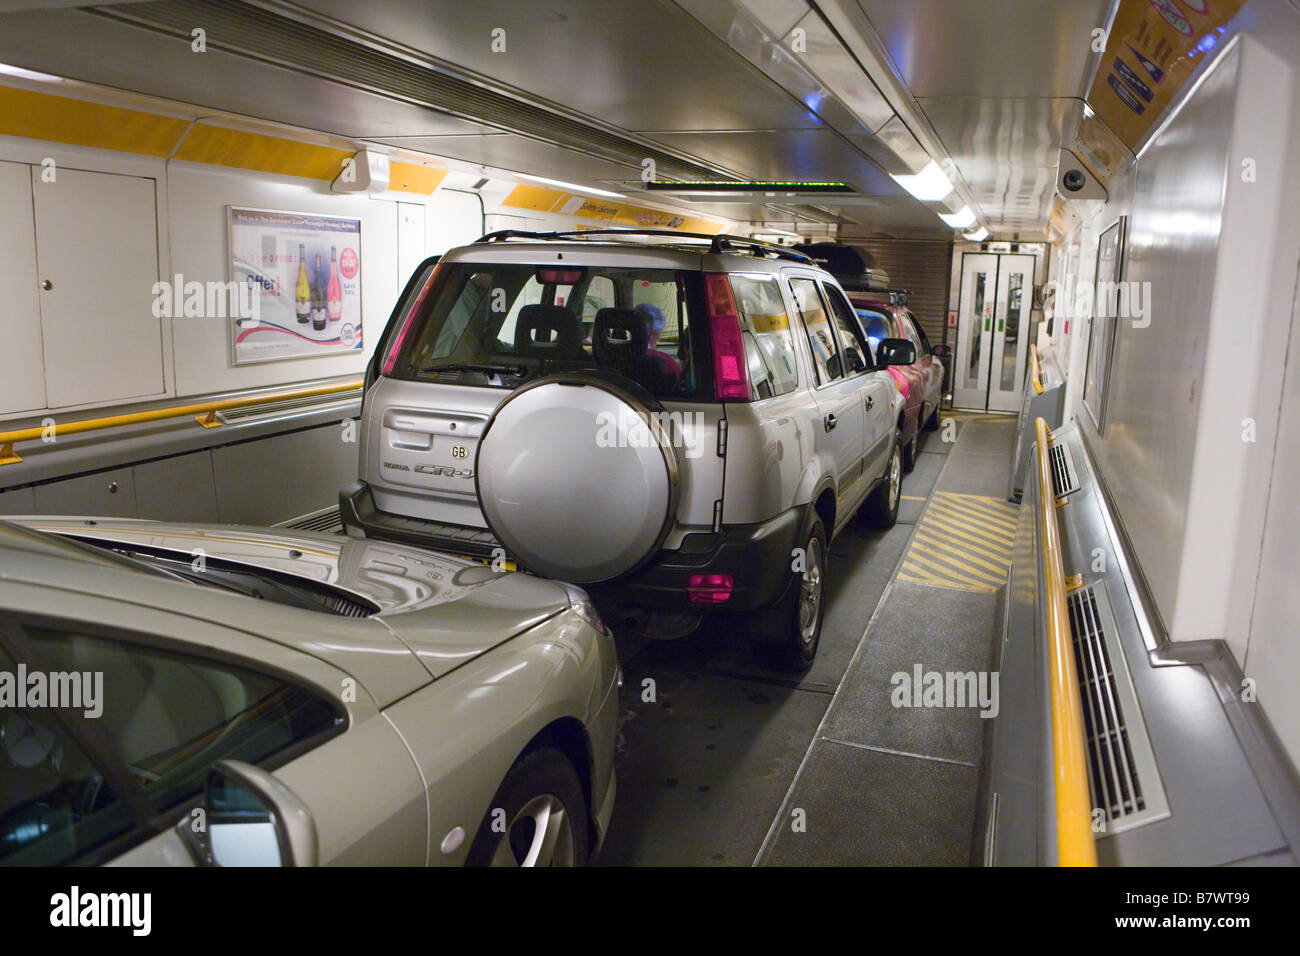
(498, 325)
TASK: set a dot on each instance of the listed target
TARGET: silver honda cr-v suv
(678, 423)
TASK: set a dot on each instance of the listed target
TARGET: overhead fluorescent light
(959, 220)
(979, 235)
(574, 186)
(929, 185)
(23, 74)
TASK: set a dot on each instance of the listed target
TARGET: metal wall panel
(109, 493)
(182, 488)
(270, 481)
(17, 501)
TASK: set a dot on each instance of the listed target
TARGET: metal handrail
(205, 414)
(1036, 370)
(1075, 844)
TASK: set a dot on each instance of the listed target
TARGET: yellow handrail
(1074, 840)
(1037, 370)
(204, 412)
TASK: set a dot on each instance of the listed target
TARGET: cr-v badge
(447, 470)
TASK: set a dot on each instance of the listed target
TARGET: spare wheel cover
(576, 478)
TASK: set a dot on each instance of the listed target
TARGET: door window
(855, 352)
(827, 361)
(144, 726)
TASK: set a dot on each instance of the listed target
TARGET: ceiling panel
(644, 65)
(79, 46)
(522, 155)
(1016, 131)
(989, 47)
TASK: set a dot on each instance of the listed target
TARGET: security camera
(1074, 181)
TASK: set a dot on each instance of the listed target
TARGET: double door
(993, 329)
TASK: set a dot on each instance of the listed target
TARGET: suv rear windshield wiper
(514, 370)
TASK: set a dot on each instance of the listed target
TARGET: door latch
(831, 421)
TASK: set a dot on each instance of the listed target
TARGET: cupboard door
(97, 262)
(22, 385)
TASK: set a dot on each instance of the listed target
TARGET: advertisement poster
(305, 274)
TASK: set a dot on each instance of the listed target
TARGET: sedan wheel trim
(540, 834)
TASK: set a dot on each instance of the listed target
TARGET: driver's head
(655, 320)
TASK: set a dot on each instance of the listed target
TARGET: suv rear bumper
(358, 511)
(757, 556)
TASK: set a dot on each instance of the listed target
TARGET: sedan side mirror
(941, 351)
(895, 352)
(249, 818)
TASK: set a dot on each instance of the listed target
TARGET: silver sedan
(174, 694)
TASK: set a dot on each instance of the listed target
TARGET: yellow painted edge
(414, 178)
(61, 119)
(220, 146)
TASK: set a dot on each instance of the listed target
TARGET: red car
(885, 315)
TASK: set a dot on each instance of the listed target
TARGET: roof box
(854, 266)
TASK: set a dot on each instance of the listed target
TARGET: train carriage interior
(695, 433)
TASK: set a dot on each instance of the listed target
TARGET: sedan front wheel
(537, 818)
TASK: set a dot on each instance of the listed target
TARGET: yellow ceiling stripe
(219, 146)
(61, 119)
(414, 178)
(539, 198)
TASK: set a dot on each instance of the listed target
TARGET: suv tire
(786, 634)
(932, 423)
(881, 509)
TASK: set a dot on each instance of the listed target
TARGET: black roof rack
(717, 243)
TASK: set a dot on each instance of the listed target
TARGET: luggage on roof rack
(854, 266)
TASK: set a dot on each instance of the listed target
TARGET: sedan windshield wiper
(515, 370)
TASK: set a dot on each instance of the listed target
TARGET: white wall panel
(197, 200)
(22, 386)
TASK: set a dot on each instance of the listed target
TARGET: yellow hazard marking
(961, 542)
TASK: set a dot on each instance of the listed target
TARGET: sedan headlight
(581, 605)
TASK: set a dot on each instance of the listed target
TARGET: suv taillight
(399, 339)
(730, 371)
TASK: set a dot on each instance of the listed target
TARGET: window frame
(817, 383)
(829, 292)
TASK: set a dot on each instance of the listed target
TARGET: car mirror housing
(249, 818)
(941, 351)
(895, 352)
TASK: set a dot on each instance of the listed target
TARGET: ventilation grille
(1122, 776)
(345, 607)
(1065, 480)
(328, 521)
(289, 43)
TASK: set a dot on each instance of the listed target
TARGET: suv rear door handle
(831, 421)
(871, 402)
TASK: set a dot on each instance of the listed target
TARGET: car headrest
(548, 332)
(620, 334)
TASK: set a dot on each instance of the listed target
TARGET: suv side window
(159, 719)
(765, 330)
(827, 361)
(855, 351)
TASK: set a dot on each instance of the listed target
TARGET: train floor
(721, 762)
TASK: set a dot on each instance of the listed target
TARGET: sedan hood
(445, 609)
